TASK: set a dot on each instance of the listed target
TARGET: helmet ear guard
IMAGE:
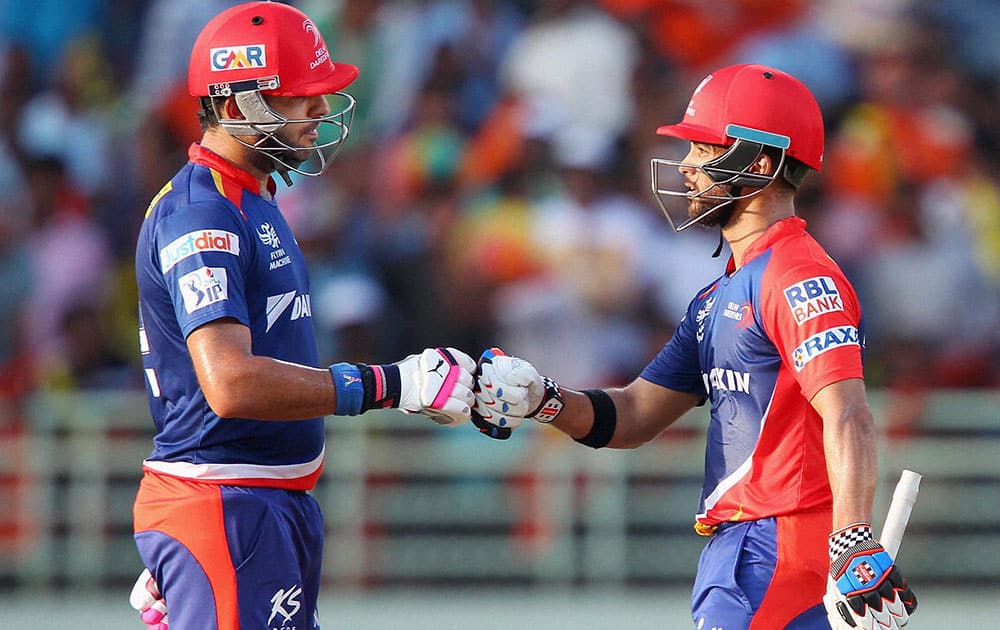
(732, 166)
(258, 117)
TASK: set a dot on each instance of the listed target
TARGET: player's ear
(231, 109)
(764, 164)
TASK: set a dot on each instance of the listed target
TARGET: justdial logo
(197, 242)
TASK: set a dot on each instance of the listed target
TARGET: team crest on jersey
(204, 286)
(741, 313)
(238, 57)
(268, 235)
(812, 298)
(822, 341)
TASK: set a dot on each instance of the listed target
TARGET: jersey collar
(780, 230)
(207, 158)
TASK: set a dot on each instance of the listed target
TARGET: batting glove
(865, 590)
(508, 390)
(146, 598)
(438, 383)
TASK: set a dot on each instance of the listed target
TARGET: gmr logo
(237, 57)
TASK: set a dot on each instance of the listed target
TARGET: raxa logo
(823, 341)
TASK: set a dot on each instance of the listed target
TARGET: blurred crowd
(495, 187)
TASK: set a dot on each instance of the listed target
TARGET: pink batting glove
(147, 599)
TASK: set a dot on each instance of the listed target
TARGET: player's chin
(698, 207)
(302, 153)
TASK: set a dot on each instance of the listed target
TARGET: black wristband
(605, 419)
(382, 384)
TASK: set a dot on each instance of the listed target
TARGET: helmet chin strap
(725, 213)
(718, 248)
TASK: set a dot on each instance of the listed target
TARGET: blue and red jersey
(212, 247)
(759, 343)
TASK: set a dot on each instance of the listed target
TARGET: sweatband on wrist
(350, 389)
(605, 419)
(383, 386)
(847, 538)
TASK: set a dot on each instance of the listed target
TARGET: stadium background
(495, 191)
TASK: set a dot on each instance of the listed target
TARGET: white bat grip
(899, 511)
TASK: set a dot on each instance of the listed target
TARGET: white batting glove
(147, 599)
(865, 590)
(510, 389)
(438, 383)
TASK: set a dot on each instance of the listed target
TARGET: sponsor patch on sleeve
(823, 341)
(204, 286)
(813, 297)
(197, 242)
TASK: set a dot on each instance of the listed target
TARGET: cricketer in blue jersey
(223, 519)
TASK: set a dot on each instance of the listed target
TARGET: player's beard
(275, 149)
(714, 212)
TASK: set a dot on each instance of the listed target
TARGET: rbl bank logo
(813, 297)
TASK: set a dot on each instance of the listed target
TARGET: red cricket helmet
(758, 98)
(270, 48)
(265, 46)
(747, 108)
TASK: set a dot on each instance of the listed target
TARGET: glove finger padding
(479, 410)
(501, 395)
(504, 392)
(869, 592)
(892, 601)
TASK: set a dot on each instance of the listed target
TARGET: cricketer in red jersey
(775, 345)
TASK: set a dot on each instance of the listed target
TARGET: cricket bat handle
(899, 511)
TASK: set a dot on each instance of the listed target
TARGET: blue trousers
(766, 574)
(231, 557)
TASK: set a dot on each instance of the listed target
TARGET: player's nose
(318, 106)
